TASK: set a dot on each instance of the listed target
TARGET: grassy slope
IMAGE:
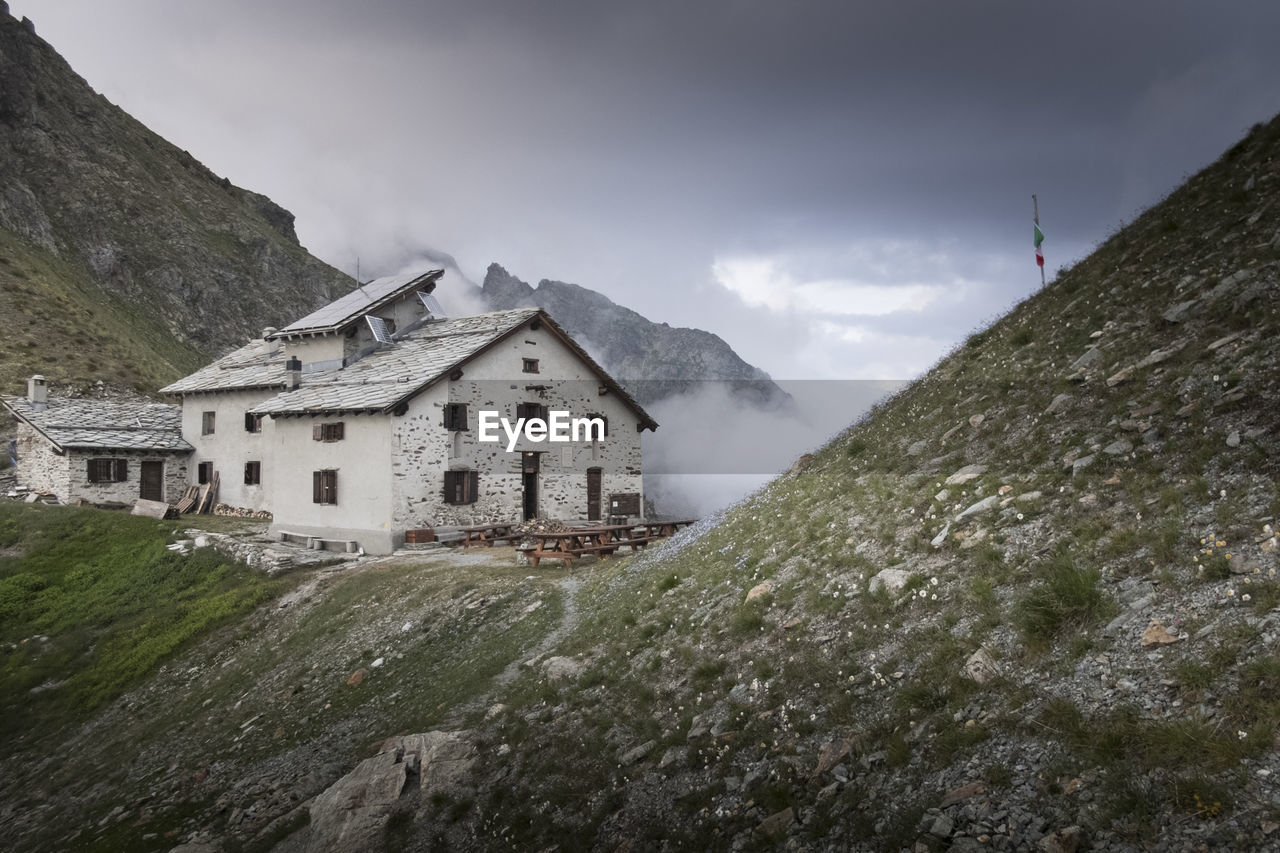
(166, 689)
(822, 660)
(92, 603)
(61, 324)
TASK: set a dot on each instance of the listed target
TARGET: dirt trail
(569, 587)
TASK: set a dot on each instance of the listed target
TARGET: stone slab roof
(382, 379)
(254, 365)
(104, 425)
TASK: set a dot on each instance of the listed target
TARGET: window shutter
(544, 413)
(448, 416)
(317, 488)
(339, 431)
(473, 486)
(121, 470)
(449, 480)
(333, 486)
(316, 432)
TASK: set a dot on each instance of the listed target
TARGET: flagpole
(1035, 217)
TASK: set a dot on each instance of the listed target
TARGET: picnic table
(600, 540)
(485, 534)
(661, 529)
(573, 543)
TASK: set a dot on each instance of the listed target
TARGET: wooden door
(530, 486)
(593, 494)
(151, 481)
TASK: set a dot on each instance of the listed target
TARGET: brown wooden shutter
(317, 432)
(544, 413)
(339, 431)
(333, 486)
(316, 487)
(473, 486)
(121, 472)
(448, 416)
(448, 487)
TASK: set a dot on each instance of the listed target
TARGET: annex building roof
(101, 425)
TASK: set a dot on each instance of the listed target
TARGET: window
(531, 410)
(455, 416)
(461, 487)
(591, 431)
(324, 487)
(328, 432)
(253, 473)
(108, 470)
(206, 423)
(252, 422)
(530, 365)
(204, 473)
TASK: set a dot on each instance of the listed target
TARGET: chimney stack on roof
(293, 373)
(38, 392)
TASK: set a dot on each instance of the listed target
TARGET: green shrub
(1065, 597)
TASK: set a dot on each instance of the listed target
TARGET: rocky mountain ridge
(121, 256)
(653, 360)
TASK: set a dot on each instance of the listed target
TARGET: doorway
(530, 468)
(593, 494)
(151, 481)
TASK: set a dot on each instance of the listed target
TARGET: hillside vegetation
(1031, 600)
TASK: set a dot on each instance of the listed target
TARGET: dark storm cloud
(634, 146)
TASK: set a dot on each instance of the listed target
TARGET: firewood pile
(522, 534)
(242, 512)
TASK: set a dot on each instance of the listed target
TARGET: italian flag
(1038, 239)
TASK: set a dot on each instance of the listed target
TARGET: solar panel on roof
(378, 326)
(434, 308)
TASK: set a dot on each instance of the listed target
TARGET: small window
(252, 422)
(108, 470)
(328, 432)
(204, 473)
(592, 431)
(461, 487)
(531, 410)
(206, 423)
(324, 487)
(530, 365)
(455, 416)
(253, 473)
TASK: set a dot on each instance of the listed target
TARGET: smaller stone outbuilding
(98, 451)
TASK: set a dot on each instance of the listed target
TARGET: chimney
(293, 373)
(38, 393)
(272, 344)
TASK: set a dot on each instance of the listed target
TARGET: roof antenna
(359, 285)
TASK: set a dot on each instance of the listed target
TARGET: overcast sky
(839, 189)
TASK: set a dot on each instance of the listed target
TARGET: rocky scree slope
(1029, 603)
(653, 360)
(121, 256)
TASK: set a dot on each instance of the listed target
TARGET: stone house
(365, 419)
(98, 451)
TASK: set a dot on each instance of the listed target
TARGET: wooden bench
(318, 543)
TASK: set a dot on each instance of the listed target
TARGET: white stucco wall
(362, 460)
(230, 446)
